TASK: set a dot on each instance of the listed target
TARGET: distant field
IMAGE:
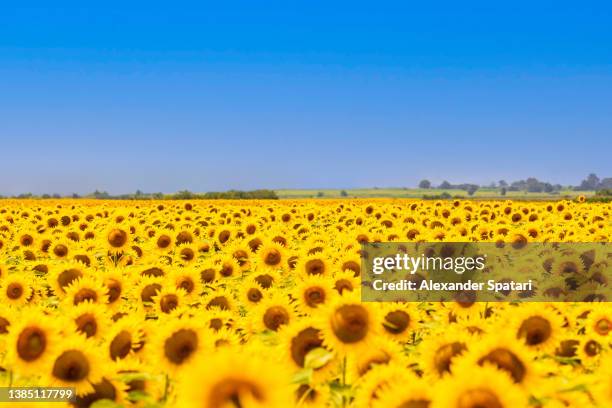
(419, 193)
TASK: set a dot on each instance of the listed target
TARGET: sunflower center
(275, 317)
(603, 326)
(265, 281)
(273, 257)
(233, 391)
(535, 330)
(592, 348)
(216, 324)
(226, 271)
(180, 345)
(187, 254)
(68, 276)
(342, 285)
(60, 250)
(478, 398)
(187, 284)
(14, 290)
(207, 275)
(117, 238)
(114, 290)
(164, 241)
(85, 294)
(350, 323)
(254, 295)
(31, 343)
(396, 322)
(224, 236)
(305, 341)
(86, 323)
(184, 237)
(506, 360)
(168, 303)
(444, 356)
(71, 366)
(382, 358)
(314, 296)
(353, 266)
(315, 267)
(220, 302)
(154, 271)
(4, 324)
(149, 291)
(121, 345)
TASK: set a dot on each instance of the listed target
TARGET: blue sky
(220, 95)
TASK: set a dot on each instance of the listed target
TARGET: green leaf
(317, 358)
(127, 377)
(302, 377)
(138, 396)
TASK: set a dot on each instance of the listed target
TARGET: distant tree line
(181, 195)
(530, 185)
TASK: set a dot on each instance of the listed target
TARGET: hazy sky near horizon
(220, 95)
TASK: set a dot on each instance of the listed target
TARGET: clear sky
(127, 95)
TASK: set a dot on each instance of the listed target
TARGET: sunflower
(16, 289)
(297, 340)
(313, 292)
(124, 338)
(163, 241)
(416, 393)
(251, 292)
(90, 319)
(313, 265)
(504, 353)
(537, 326)
(271, 255)
(377, 381)
(234, 379)
(75, 363)
(381, 352)
(347, 325)
(32, 338)
(271, 314)
(440, 349)
(399, 320)
(85, 289)
(345, 280)
(187, 279)
(176, 343)
(117, 238)
(63, 274)
(169, 301)
(186, 254)
(105, 389)
(599, 322)
(479, 387)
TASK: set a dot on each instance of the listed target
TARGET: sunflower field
(257, 304)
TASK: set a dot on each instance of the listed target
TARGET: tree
(425, 184)
(472, 188)
(320, 194)
(590, 183)
(445, 185)
(343, 193)
(503, 191)
(503, 183)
